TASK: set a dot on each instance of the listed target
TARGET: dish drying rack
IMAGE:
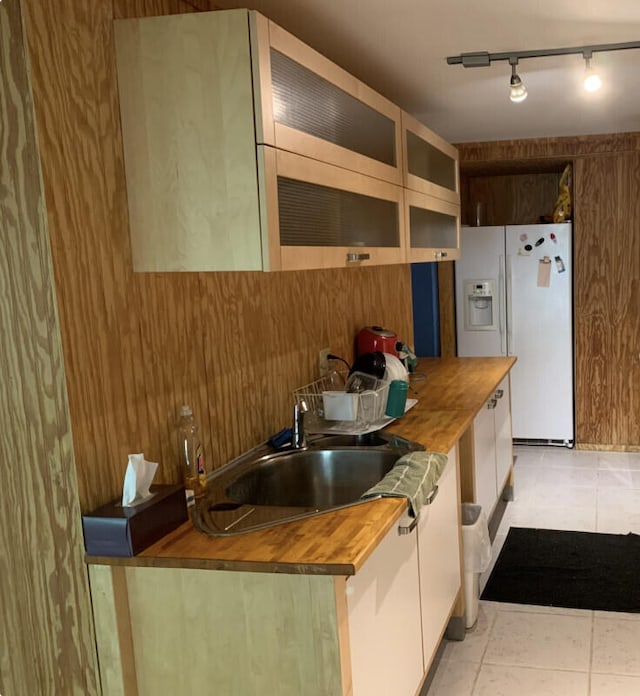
(331, 409)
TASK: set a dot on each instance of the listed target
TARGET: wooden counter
(338, 543)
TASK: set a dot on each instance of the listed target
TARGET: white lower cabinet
(439, 559)
(492, 449)
(400, 602)
(385, 634)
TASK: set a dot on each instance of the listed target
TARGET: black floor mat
(578, 570)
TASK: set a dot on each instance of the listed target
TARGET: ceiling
(399, 47)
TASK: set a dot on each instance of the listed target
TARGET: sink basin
(264, 487)
(312, 478)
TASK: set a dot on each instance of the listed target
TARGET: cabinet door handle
(407, 529)
(353, 256)
(492, 403)
(402, 529)
(499, 393)
(441, 254)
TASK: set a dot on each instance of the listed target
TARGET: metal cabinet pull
(441, 254)
(499, 393)
(492, 403)
(353, 256)
(402, 529)
(407, 529)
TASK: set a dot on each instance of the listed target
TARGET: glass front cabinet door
(432, 193)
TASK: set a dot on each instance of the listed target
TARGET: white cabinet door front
(504, 448)
(485, 459)
(383, 601)
(439, 558)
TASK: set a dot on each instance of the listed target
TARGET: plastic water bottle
(190, 455)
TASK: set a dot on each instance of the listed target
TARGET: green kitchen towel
(414, 476)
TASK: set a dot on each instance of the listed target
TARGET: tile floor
(546, 651)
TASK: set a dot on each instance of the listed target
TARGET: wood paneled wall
(518, 199)
(137, 346)
(46, 635)
(606, 181)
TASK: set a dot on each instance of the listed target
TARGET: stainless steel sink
(313, 478)
(265, 488)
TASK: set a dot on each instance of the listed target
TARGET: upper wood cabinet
(202, 97)
(431, 163)
(245, 149)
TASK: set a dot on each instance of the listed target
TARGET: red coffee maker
(375, 338)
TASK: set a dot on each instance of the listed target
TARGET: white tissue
(137, 480)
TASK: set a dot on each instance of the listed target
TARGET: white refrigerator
(514, 297)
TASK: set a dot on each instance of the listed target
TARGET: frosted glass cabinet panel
(306, 102)
(315, 108)
(431, 163)
(433, 228)
(324, 216)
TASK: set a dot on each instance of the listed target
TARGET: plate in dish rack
(326, 427)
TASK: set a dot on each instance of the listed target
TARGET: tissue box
(113, 530)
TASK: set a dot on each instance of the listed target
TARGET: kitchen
(128, 340)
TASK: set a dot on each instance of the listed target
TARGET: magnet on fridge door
(523, 237)
(553, 238)
(560, 264)
(528, 247)
(525, 251)
(540, 241)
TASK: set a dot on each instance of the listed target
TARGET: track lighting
(518, 92)
(592, 81)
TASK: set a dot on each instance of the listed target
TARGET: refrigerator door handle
(510, 346)
(501, 307)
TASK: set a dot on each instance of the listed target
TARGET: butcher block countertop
(338, 543)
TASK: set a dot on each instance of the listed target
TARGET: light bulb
(592, 81)
(518, 91)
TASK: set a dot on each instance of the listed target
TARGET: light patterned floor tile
(472, 648)
(619, 460)
(614, 685)
(496, 680)
(568, 518)
(454, 679)
(616, 646)
(563, 457)
(543, 640)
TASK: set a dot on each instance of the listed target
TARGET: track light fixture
(518, 92)
(592, 81)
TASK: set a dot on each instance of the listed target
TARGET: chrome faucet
(298, 441)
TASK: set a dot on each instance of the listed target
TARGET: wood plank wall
(606, 182)
(46, 635)
(517, 199)
(137, 346)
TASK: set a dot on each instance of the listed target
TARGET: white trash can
(476, 547)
